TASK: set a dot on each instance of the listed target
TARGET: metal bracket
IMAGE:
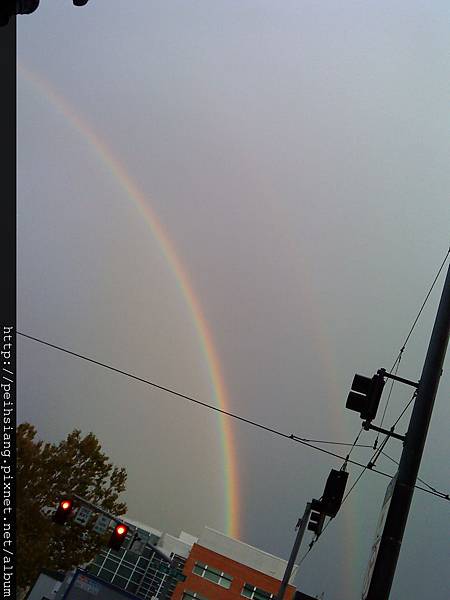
(400, 379)
(366, 425)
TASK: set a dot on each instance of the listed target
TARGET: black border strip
(8, 40)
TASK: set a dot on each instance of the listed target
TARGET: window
(192, 595)
(124, 571)
(106, 575)
(136, 576)
(143, 562)
(111, 565)
(250, 591)
(130, 557)
(131, 587)
(119, 581)
(213, 575)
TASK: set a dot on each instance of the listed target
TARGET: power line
(399, 358)
(386, 438)
(303, 441)
(433, 491)
(299, 440)
(405, 409)
(380, 451)
(397, 361)
(431, 488)
(354, 445)
(421, 308)
(343, 500)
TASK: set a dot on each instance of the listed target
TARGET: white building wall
(45, 587)
(244, 553)
(169, 543)
(188, 538)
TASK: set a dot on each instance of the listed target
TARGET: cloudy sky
(273, 175)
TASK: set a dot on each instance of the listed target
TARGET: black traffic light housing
(118, 536)
(9, 8)
(334, 492)
(316, 517)
(26, 7)
(365, 395)
(64, 511)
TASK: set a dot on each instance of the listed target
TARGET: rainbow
(118, 171)
(120, 174)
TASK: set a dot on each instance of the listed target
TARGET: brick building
(221, 568)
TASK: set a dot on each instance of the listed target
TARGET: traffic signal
(26, 7)
(334, 492)
(365, 395)
(80, 2)
(8, 8)
(316, 518)
(63, 511)
(118, 536)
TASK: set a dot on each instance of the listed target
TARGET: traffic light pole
(294, 552)
(387, 557)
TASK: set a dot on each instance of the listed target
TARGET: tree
(45, 471)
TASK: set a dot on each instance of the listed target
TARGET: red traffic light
(118, 536)
(64, 511)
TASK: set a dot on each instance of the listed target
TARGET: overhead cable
(294, 438)
(422, 307)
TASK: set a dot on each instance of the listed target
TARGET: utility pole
(397, 515)
(295, 548)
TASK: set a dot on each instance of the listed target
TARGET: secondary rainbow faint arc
(137, 196)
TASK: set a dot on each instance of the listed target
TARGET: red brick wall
(241, 574)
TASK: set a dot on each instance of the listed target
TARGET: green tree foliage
(45, 471)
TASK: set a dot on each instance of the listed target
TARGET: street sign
(378, 534)
(83, 516)
(102, 524)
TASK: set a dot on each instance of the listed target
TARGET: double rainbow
(137, 196)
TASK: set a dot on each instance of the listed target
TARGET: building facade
(213, 567)
(138, 569)
(222, 568)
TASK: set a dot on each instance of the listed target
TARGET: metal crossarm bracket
(401, 379)
(367, 425)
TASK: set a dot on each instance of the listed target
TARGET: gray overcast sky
(297, 155)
